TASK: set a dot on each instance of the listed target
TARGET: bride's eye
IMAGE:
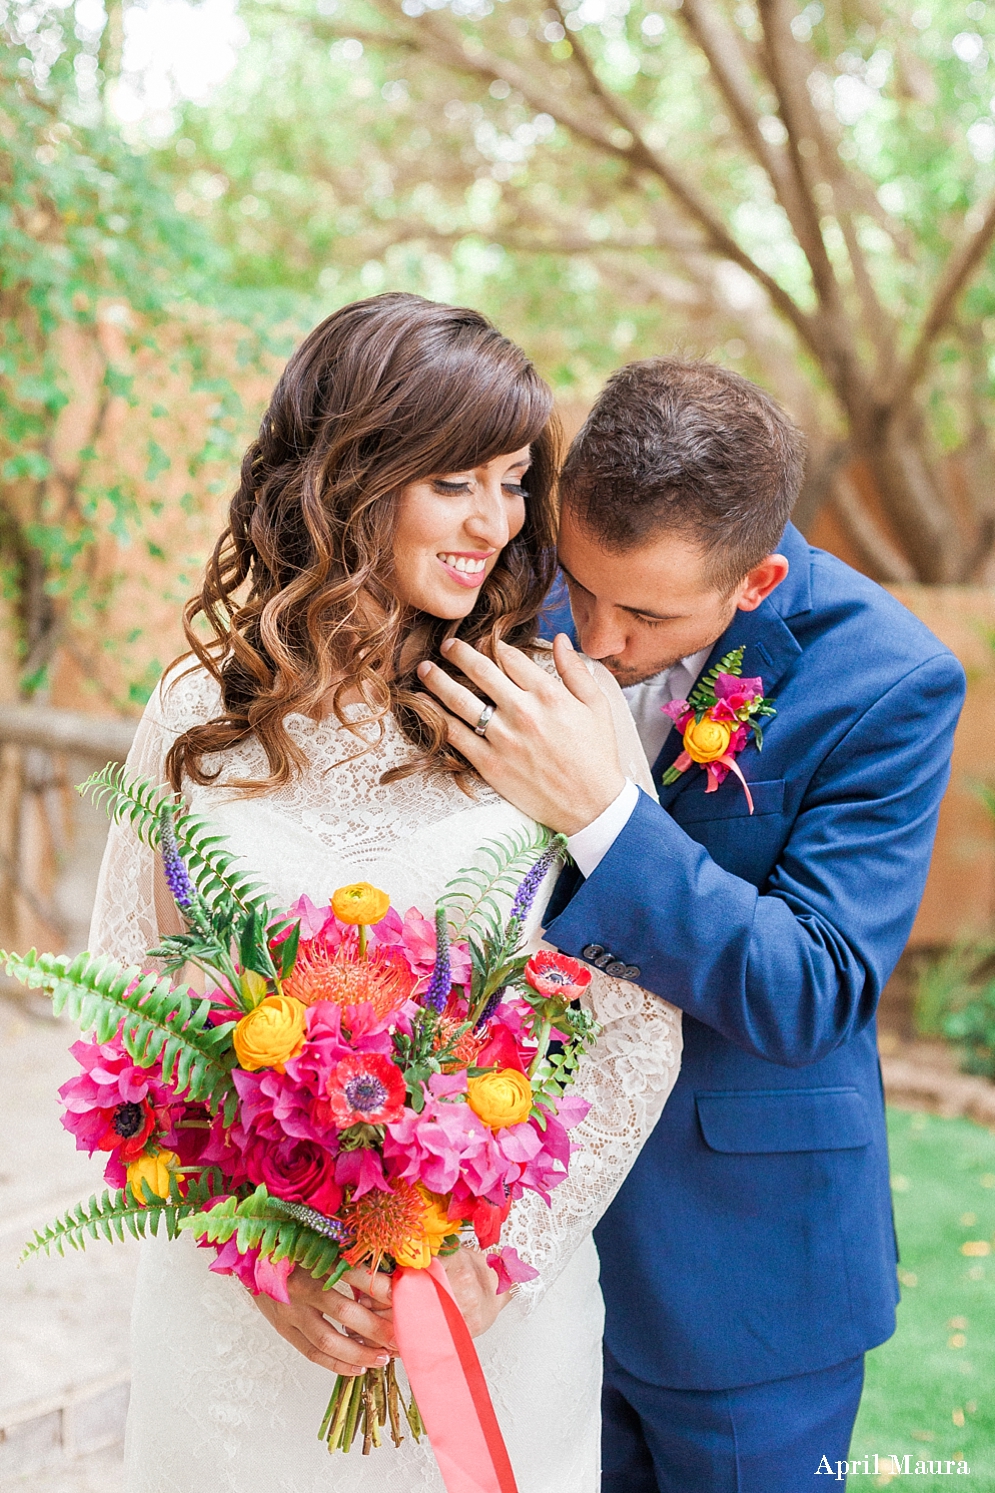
(515, 489)
(448, 489)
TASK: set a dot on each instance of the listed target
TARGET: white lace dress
(220, 1403)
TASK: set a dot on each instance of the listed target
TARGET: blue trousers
(763, 1438)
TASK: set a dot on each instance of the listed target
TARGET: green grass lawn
(930, 1391)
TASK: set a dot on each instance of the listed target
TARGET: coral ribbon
(448, 1384)
(732, 765)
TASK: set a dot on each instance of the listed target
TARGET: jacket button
(631, 972)
(591, 952)
(617, 968)
(603, 960)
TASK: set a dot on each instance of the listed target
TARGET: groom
(748, 1261)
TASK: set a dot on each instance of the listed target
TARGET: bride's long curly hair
(385, 392)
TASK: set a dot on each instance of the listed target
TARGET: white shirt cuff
(590, 845)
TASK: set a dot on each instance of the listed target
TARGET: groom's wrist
(590, 845)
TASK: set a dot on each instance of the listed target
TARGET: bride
(399, 493)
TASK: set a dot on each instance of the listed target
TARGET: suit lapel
(771, 649)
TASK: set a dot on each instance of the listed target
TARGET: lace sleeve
(125, 922)
(627, 1077)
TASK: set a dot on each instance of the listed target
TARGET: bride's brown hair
(385, 392)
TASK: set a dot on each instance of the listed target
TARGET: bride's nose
(487, 522)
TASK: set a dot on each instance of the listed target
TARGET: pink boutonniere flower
(716, 723)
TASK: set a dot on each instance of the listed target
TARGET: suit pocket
(693, 805)
(758, 1122)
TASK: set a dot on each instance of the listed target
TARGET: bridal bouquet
(353, 1089)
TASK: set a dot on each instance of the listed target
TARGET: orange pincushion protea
(466, 1049)
(383, 979)
(385, 1223)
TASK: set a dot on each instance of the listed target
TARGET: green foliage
(140, 803)
(108, 1216)
(261, 1222)
(493, 936)
(228, 913)
(99, 268)
(553, 1074)
(158, 1022)
(955, 999)
(926, 1391)
(477, 896)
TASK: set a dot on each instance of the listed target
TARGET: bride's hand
(474, 1285)
(364, 1316)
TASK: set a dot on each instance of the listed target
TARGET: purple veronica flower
(177, 876)
(442, 975)
(528, 887)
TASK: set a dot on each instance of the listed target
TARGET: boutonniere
(716, 722)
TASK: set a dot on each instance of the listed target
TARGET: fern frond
(475, 893)
(212, 867)
(115, 1211)
(159, 1022)
(703, 693)
(261, 1222)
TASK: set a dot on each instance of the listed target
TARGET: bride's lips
(473, 571)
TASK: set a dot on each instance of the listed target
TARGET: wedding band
(486, 716)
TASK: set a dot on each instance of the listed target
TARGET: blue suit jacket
(753, 1238)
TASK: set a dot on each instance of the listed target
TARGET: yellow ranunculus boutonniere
(716, 721)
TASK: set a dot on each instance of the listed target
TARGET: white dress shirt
(590, 845)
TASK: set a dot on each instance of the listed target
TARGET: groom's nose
(599, 630)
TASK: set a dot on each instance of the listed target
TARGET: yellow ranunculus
(414, 1252)
(417, 1251)
(706, 740)
(360, 903)
(156, 1171)
(271, 1034)
(437, 1223)
(500, 1099)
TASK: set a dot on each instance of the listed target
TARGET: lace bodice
(336, 823)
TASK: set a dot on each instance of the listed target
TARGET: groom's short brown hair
(689, 448)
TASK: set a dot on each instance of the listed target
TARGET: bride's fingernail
(445, 647)
(423, 669)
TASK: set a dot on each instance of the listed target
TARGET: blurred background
(804, 193)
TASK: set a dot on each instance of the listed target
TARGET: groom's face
(640, 610)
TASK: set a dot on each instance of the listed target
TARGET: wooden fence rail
(51, 840)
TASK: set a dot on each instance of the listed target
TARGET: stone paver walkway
(64, 1350)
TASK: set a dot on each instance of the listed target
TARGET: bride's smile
(451, 530)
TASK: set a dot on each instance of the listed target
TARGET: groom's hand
(550, 747)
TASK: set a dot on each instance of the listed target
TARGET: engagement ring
(485, 719)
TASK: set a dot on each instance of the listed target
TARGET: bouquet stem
(370, 1399)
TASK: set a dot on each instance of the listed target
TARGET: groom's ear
(759, 582)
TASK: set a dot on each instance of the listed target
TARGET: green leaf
(108, 1216)
(158, 1022)
(261, 1222)
(158, 461)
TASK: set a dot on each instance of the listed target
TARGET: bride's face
(450, 531)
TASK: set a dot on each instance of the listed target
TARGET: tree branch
(960, 266)
(885, 562)
(732, 78)
(455, 54)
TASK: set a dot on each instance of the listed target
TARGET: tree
(815, 182)
(97, 266)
